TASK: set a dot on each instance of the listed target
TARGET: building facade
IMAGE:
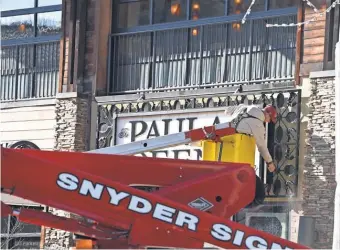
(131, 70)
(30, 52)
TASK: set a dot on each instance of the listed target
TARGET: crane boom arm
(214, 132)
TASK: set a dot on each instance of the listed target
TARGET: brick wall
(319, 170)
(313, 44)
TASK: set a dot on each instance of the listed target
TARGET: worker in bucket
(250, 119)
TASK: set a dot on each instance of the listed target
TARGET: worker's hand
(271, 167)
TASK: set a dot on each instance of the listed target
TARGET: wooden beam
(62, 47)
(80, 43)
(299, 43)
(71, 38)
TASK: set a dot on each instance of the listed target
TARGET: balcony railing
(204, 56)
(29, 71)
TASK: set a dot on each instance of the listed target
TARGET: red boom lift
(189, 203)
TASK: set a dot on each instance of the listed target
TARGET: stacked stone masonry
(70, 135)
(319, 171)
(71, 128)
(57, 239)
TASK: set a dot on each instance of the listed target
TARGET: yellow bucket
(238, 148)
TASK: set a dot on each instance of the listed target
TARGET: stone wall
(72, 124)
(57, 239)
(319, 170)
(71, 132)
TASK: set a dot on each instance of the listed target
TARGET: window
(48, 2)
(182, 44)
(19, 235)
(15, 27)
(241, 6)
(15, 5)
(49, 23)
(30, 35)
(278, 4)
(32, 24)
(133, 13)
(166, 11)
(137, 13)
(204, 9)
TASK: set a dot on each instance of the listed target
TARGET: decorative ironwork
(20, 144)
(283, 137)
(24, 144)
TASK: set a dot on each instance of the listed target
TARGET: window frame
(29, 11)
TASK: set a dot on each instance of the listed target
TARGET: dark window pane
(49, 23)
(169, 11)
(241, 6)
(26, 243)
(4, 225)
(278, 4)
(48, 2)
(17, 4)
(15, 27)
(29, 228)
(133, 14)
(203, 8)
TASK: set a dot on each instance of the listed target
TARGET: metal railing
(204, 56)
(29, 71)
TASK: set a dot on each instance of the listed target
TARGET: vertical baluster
(8, 70)
(264, 48)
(111, 66)
(120, 51)
(182, 57)
(187, 62)
(136, 76)
(170, 75)
(234, 39)
(49, 71)
(253, 51)
(130, 61)
(43, 57)
(226, 53)
(270, 52)
(16, 72)
(212, 64)
(240, 54)
(276, 49)
(19, 85)
(167, 36)
(154, 44)
(142, 60)
(201, 55)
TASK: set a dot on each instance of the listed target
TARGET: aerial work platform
(188, 203)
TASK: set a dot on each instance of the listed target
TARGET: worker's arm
(259, 135)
